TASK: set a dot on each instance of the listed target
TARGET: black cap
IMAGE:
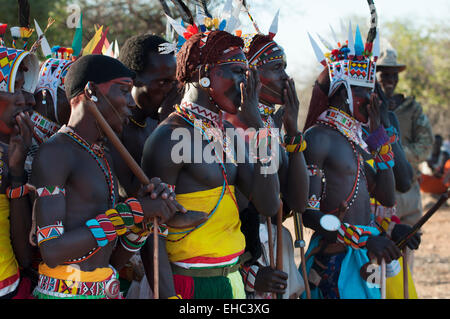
(95, 68)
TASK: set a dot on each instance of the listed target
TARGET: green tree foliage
(425, 50)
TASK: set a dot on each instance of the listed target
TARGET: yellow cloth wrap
(394, 285)
(237, 285)
(220, 236)
(8, 262)
(67, 272)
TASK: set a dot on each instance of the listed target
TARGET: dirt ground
(431, 272)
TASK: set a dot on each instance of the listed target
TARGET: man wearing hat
(415, 131)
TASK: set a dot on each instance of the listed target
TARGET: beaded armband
(176, 297)
(49, 232)
(18, 192)
(313, 203)
(294, 144)
(50, 191)
(352, 236)
(98, 232)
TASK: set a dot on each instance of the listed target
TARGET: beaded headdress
(266, 47)
(203, 23)
(11, 57)
(10, 60)
(352, 62)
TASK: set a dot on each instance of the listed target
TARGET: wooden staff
(405, 276)
(280, 241)
(270, 243)
(139, 173)
(300, 243)
(401, 243)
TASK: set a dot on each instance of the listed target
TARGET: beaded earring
(44, 96)
(204, 81)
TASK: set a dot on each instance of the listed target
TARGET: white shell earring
(94, 98)
(205, 82)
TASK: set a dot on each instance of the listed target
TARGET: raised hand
(291, 108)
(250, 99)
(374, 113)
(19, 143)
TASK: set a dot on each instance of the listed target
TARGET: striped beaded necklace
(97, 153)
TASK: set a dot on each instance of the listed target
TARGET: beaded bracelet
(117, 221)
(98, 232)
(17, 192)
(384, 161)
(125, 212)
(393, 134)
(294, 144)
(136, 209)
(107, 226)
(377, 138)
(385, 224)
(313, 203)
(176, 297)
(163, 230)
(352, 236)
(133, 242)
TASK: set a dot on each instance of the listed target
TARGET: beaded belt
(63, 288)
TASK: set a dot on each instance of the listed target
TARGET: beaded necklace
(344, 127)
(137, 123)
(43, 127)
(210, 124)
(97, 153)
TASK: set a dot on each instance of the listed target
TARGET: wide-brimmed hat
(388, 61)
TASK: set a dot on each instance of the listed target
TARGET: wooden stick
(270, 242)
(405, 276)
(279, 264)
(383, 279)
(139, 173)
(401, 243)
(300, 243)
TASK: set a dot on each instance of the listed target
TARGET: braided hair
(191, 56)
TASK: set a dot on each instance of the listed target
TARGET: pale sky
(297, 17)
